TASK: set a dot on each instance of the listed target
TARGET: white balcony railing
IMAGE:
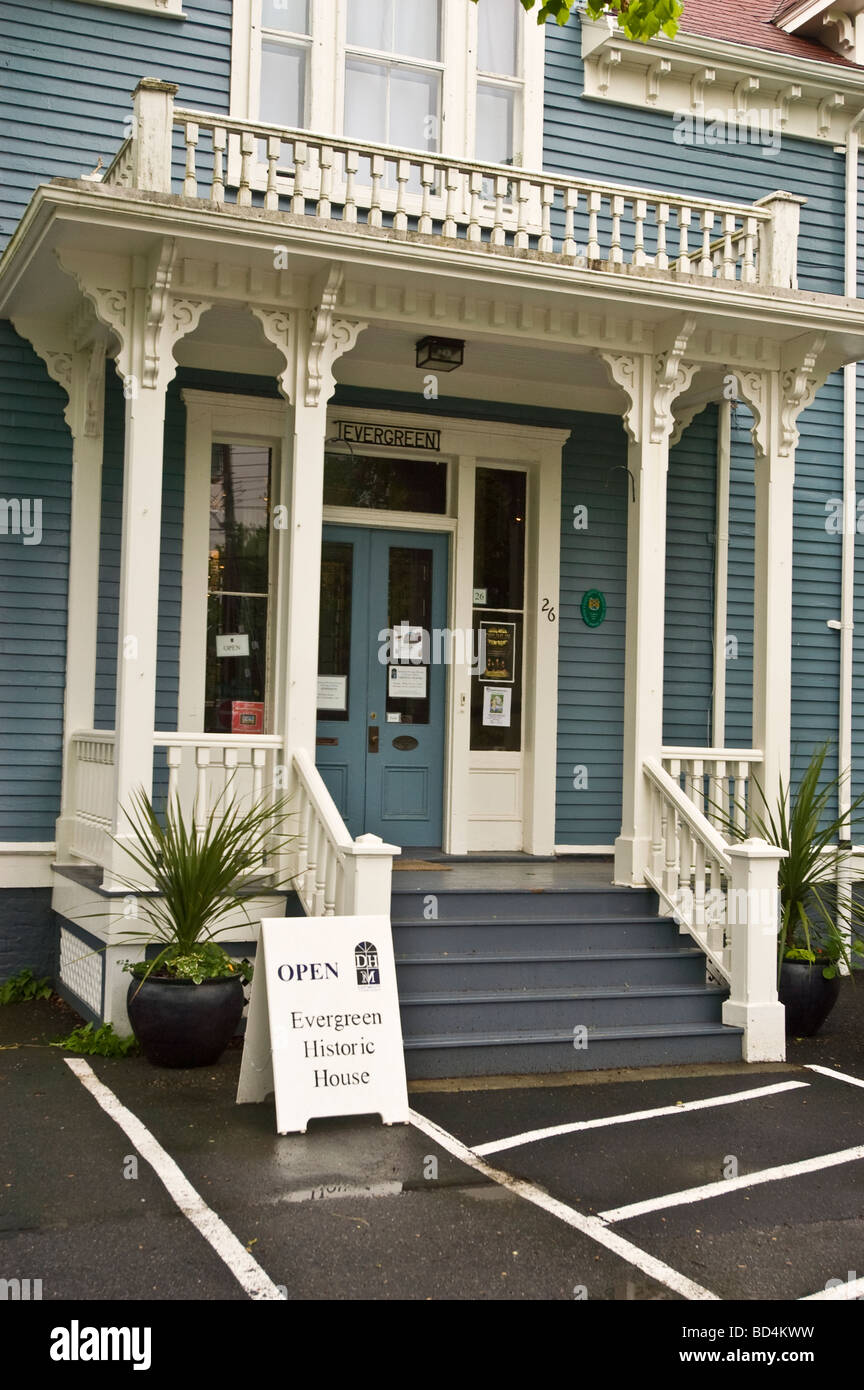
(399, 192)
(716, 780)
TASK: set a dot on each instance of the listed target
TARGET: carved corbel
(843, 38)
(704, 77)
(825, 111)
(672, 377)
(609, 59)
(684, 417)
(329, 338)
(626, 370)
(784, 100)
(743, 91)
(146, 318)
(778, 398)
(653, 77)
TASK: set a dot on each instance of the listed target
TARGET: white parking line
(590, 1226)
(532, 1136)
(725, 1185)
(246, 1271)
(839, 1293)
(837, 1075)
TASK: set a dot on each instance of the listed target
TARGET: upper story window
(286, 42)
(393, 73)
(499, 81)
(447, 76)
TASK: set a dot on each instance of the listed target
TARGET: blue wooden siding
(35, 463)
(597, 139)
(68, 71)
(170, 568)
(688, 681)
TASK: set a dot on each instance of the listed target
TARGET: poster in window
(500, 648)
(496, 707)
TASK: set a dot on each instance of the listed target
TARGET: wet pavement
(354, 1210)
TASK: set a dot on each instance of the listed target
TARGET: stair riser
(525, 937)
(509, 1015)
(413, 905)
(445, 976)
(529, 1059)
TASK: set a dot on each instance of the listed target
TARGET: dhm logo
(366, 963)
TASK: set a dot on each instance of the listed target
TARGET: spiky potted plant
(185, 1002)
(812, 943)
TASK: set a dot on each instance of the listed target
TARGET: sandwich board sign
(323, 1032)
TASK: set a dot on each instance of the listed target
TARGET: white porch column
(776, 399)
(86, 421)
(147, 320)
(310, 342)
(652, 382)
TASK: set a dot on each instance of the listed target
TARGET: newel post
(368, 877)
(752, 922)
(152, 131)
(778, 240)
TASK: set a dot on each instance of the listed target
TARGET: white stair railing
(335, 874)
(726, 896)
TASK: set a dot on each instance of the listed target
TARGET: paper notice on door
(232, 644)
(496, 707)
(333, 692)
(406, 643)
(406, 682)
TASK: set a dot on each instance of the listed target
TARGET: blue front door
(381, 691)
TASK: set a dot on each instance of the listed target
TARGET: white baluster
(427, 184)
(190, 182)
(330, 881)
(174, 757)
(349, 213)
(616, 254)
(247, 152)
(274, 149)
(671, 873)
(685, 215)
(325, 185)
(571, 203)
(498, 236)
(663, 214)
(640, 213)
(220, 141)
(377, 174)
(202, 808)
(545, 244)
(475, 190)
(301, 159)
(595, 202)
(400, 217)
(707, 262)
(748, 264)
(729, 221)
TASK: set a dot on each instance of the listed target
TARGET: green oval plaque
(593, 607)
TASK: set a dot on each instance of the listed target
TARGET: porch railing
(336, 875)
(726, 896)
(587, 222)
(331, 872)
(716, 780)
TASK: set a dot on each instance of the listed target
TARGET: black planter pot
(181, 1024)
(808, 996)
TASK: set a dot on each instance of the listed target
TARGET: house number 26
(548, 610)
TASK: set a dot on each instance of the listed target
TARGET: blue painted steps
(515, 980)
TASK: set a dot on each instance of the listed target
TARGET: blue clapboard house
(453, 422)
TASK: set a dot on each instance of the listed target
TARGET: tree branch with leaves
(640, 19)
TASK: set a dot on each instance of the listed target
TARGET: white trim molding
(168, 9)
(26, 865)
(746, 89)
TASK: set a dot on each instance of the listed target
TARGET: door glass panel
(396, 485)
(410, 620)
(334, 635)
(499, 597)
(238, 589)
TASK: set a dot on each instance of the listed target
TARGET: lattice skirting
(82, 968)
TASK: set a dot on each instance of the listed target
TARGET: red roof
(749, 22)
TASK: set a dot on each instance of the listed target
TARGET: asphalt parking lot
(122, 1181)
